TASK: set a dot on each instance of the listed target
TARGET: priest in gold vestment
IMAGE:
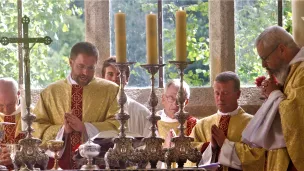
(282, 139)
(78, 107)
(10, 118)
(230, 118)
(167, 127)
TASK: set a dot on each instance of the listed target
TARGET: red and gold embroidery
(9, 131)
(76, 107)
(223, 125)
(191, 122)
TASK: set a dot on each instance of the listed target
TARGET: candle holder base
(123, 148)
(153, 145)
(119, 155)
(182, 150)
(89, 167)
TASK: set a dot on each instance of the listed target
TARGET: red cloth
(204, 147)
(73, 140)
(291, 167)
(9, 131)
(191, 122)
(223, 125)
(9, 134)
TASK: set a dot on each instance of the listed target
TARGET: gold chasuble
(94, 103)
(258, 159)
(292, 114)
(163, 127)
(202, 131)
(12, 132)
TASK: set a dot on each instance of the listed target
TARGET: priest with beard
(78, 107)
(273, 139)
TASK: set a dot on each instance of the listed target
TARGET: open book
(210, 167)
(114, 134)
(105, 139)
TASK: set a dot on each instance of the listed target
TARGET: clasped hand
(171, 134)
(268, 86)
(72, 123)
(217, 137)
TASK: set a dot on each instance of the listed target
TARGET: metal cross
(23, 158)
(26, 47)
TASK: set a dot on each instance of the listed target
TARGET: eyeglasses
(82, 67)
(170, 99)
(7, 106)
(265, 59)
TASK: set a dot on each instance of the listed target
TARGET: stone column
(221, 32)
(298, 21)
(98, 28)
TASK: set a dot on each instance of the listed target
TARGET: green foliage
(197, 74)
(197, 31)
(61, 20)
(251, 18)
(136, 11)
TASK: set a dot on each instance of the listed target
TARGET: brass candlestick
(182, 150)
(55, 146)
(153, 150)
(122, 145)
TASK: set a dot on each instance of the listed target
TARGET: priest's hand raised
(75, 123)
(218, 135)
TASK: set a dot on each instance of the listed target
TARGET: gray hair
(10, 81)
(275, 35)
(229, 76)
(176, 82)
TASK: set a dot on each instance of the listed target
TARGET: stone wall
(201, 101)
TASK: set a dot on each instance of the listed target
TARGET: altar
(122, 151)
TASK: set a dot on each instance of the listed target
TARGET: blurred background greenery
(64, 22)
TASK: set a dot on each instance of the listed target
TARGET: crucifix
(30, 154)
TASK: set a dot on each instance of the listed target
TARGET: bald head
(9, 84)
(8, 95)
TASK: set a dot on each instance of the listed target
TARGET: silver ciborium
(89, 150)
